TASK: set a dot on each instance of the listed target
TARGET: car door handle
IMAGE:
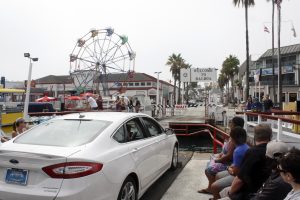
(135, 150)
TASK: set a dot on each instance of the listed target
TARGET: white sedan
(87, 156)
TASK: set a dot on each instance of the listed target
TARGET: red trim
(216, 141)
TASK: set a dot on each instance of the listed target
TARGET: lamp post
(157, 89)
(27, 55)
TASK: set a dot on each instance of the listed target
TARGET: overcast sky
(203, 31)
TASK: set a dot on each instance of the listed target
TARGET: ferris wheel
(97, 54)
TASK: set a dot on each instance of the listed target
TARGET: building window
(143, 83)
(148, 83)
(292, 97)
(130, 84)
(137, 84)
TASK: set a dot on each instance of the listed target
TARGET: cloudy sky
(203, 31)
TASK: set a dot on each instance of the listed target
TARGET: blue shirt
(238, 154)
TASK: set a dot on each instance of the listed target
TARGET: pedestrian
(257, 106)
(92, 103)
(126, 102)
(221, 161)
(130, 105)
(118, 104)
(19, 126)
(137, 105)
(249, 104)
(274, 188)
(267, 104)
(289, 168)
(100, 102)
(239, 138)
(122, 103)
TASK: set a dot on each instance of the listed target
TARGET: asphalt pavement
(159, 188)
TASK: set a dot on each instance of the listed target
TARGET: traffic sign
(198, 75)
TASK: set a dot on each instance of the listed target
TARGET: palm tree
(246, 4)
(176, 62)
(174, 66)
(229, 69)
(222, 82)
(273, 64)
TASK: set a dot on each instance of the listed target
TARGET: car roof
(106, 116)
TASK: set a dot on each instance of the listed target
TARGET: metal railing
(277, 118)
(217, 135)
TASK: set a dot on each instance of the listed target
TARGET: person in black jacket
(267, 103)
(274, 188)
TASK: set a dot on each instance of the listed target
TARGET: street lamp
(157, 89)
(27, 55)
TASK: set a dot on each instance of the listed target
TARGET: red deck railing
(212, 131)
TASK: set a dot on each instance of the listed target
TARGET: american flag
(278, 2)
(266, 29)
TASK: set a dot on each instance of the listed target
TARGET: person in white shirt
(92, 102)
(126, 101)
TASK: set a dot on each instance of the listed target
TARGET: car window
(134, 130)
(152, 126)
(120, 135)
(64, 133)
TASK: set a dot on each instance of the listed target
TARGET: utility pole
(279, 56)
(273, 63)
(27, 97)
(157, 89)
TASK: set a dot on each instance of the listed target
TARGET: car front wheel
(174, 163)
(128, 190)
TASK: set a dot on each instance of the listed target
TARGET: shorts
(224, 180)
(213, 168)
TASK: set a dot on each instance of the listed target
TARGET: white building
(137, 84)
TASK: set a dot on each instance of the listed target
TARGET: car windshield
(64, 133)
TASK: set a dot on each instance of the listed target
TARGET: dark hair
(262, 132)
(290, 162)
(17, 123)
(237, 121)
(238, 135)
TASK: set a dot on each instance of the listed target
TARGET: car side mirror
(169, 131)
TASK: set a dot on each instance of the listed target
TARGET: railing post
(214, 141)
(279, 130)
(272, 121)
(245, 121)
(259, 119)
